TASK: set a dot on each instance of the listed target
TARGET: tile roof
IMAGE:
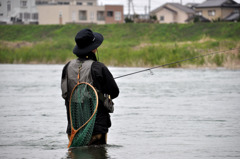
(181, 7)
(216, 3)
(169, 9)
(233, 16)
(176, 5)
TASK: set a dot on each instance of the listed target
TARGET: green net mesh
(83, 104)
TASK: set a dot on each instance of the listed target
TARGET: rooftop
(217, 3)
(176, 5)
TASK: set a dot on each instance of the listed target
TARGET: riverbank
(138, 45)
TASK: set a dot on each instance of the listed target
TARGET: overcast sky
(139, 5)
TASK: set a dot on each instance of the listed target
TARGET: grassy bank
(125, 44)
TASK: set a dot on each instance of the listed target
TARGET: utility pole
(129, 8)
(181, 2)
(133, 8)
(149, 8)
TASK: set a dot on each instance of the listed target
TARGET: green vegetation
(125, 44)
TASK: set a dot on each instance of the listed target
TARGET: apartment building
(59, 12)
(18, 11)
(78, 11)
(67, 2)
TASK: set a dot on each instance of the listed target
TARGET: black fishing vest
(72, 71)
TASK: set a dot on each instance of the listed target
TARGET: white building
(67, 2)
(18, 11)
(58, 12)
(78, 11)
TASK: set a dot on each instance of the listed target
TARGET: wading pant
(98, 139)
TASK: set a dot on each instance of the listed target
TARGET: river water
(172, 113)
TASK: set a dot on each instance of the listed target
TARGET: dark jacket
(105, 83)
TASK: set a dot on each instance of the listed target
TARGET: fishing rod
(149, 69)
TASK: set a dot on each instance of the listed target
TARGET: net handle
(79, 73)
(73, 131)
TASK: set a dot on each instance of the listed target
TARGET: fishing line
(149, 69)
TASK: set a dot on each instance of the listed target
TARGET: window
(89, 3)
(211, 13)
(41, 2)
(8, 6)
(23, 3)
(118, 16)
(236, 11)
(35, 16)
(0, 4)
(82, 15)
(161, 18)
(74, 17)
(100, 15)
(63, 3)
(26, 16)
(91, 15)
(110, 13)
(1, 14)
(79, 3)
(60, 14)
(20, 15)
(199, 13)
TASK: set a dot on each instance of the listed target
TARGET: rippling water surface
(174, 113)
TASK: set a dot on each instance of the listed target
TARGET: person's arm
(64, 82)
(103, 80)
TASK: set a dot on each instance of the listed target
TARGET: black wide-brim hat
(86, 41)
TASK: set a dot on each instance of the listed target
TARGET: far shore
(127, 45)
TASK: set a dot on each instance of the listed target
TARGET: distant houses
(224, 10)
(173, 13)
(88, 11)
(209, 10)
(59, 12)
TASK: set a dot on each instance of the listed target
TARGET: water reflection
(88, 152)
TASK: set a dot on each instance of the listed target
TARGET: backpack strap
(79, 70)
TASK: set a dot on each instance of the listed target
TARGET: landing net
(83, 108)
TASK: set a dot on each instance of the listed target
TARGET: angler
(96, 74)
